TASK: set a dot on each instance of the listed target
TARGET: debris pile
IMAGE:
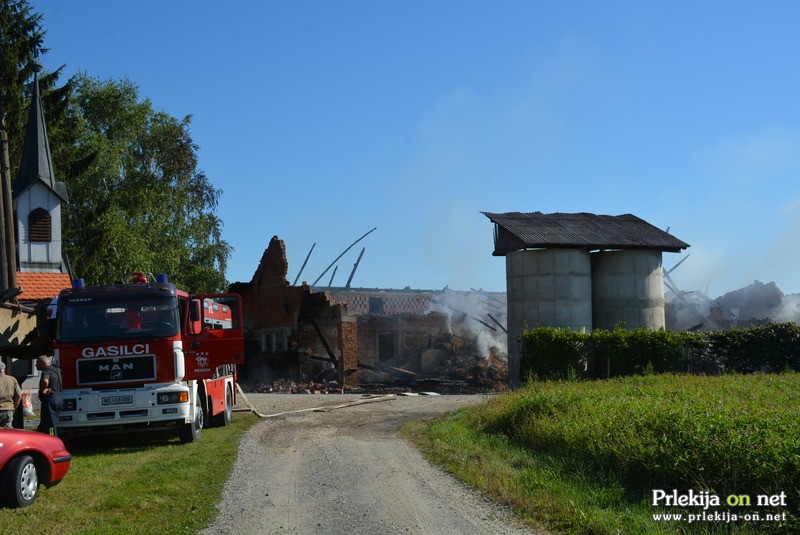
(285, 386)
(755, 304)
(453, 365)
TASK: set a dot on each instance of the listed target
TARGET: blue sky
(320, 120)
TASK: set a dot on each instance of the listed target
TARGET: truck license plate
(116, 400)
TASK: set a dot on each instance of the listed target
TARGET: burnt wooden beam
(330, 283)
(355, 266)
(324, 341)
(483, 323)
(497, 322)
(400, 370)
(304, 264)
(341, 255)
(386, 368)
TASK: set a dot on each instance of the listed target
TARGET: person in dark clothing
(49, 393)
(19, 413)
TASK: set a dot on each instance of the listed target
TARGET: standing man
(19, 412)
(10, 396)
(49, 393)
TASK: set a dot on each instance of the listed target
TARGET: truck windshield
(107, 320)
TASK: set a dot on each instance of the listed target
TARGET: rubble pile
(453, 365)
(463, 356)
(285, 386)
(755, 304)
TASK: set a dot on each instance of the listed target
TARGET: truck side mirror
(194, 311)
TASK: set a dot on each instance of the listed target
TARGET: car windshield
(107, 320)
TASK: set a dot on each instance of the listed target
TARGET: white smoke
(477, 313)
(789, 309)
(754, 304)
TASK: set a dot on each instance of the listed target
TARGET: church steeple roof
(36, 163)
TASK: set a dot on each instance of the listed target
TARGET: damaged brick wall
(348, 343)
(361, 302)
(374, 328)
(411, 335)
(280, 338)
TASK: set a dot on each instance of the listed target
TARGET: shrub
(551, 353)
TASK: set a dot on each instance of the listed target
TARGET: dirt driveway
(347, 472)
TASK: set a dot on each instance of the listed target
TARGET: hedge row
(552, 353)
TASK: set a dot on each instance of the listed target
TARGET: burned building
(361, 336)
(755, 304)
(293, 331)
(429, 336)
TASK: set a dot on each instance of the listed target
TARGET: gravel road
(347, 472)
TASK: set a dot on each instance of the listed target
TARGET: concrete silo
(554, 280)
(628, 289)
(550, 287)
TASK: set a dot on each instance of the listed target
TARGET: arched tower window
(39, 225)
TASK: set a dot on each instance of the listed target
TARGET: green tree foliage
(137, 200)
(552, 353)
(142, 204)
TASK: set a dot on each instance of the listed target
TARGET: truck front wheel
(191, 432)
(224, 418)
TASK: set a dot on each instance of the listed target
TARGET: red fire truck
(145, 356)
(217, 315)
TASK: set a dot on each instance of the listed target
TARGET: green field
(589, 457)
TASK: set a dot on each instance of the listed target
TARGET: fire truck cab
(146, 356)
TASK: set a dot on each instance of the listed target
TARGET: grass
(584, 457)
(136, 484)
(573, 457)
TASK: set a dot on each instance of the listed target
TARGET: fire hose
(367, 399)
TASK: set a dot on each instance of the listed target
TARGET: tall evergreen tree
(21, 44)
(21, 37)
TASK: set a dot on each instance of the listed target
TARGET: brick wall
(414, 334)
(418, 301)
(348, 345)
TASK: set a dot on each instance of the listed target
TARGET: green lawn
(138, 484)
(586, 457)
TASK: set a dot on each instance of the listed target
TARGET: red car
(29, 459)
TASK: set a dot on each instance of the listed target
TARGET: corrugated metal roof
(517, 230)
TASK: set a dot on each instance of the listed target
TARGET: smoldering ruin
(756, 304)
(300, 338)
(457, 344)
